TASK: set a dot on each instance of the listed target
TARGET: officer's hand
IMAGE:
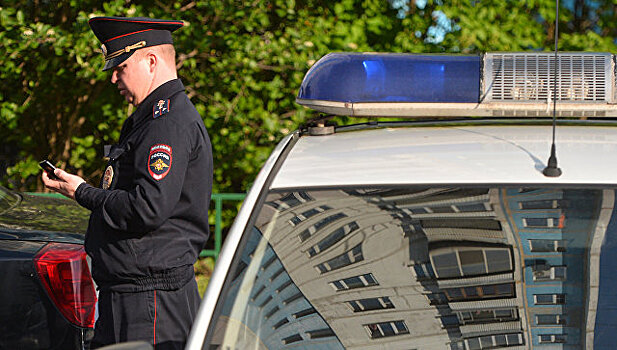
(67, 184)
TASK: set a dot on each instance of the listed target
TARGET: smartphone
(49, 169)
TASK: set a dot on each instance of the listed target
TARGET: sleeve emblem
(159, 161)
(108, 177)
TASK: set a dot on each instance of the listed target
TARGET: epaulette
(160, 108)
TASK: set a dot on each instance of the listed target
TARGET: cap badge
(160, 108)
(159, 161)
(108, 177)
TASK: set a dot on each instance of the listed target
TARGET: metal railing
(217, 199)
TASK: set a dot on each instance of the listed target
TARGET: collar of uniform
(163, 92)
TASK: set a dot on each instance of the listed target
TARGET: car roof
(450, 155)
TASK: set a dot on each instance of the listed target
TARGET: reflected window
(526, 190)
(470, 261)
(240, 269)
(304, 235)
(473, 344)
(478, 224)
(265, 302)
(443, 210)
(370, 304)
(290, 200)
(487, 316)
(551, 319)
(545, 222)
(354, 282)
(345, 259)
(489, 341)
(333, 238)
(320, 333)
(454, 208)
(292, 339)
(480, 292)
(486, 342)
(307, 214)
(292, 298)
(473, 207)
(258, 293)
(280, 323)
(386, 329)
(268, 262)
(271, 312)
(283, 286)
(547, 245)
(498, 260)
(277, 273)
(437, 298)
(552, 338)
(549, 273)
(423, 271)
(539, 204)
(446, 265)
(549, 299)
(304, 312)
(449, 321)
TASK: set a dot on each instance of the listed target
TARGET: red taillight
(63, 269)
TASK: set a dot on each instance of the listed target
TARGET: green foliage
(242, 63)
(203, 270)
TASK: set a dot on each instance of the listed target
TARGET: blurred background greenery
(242, 63)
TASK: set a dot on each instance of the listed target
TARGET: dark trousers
(161, 317)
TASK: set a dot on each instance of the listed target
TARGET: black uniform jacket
(149, 219)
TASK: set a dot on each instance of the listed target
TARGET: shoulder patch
(159, 161)
(160, 108)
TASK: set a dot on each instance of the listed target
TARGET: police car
(456, 228)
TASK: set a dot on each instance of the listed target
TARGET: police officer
(149, 217)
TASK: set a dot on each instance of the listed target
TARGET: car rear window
(444, 267)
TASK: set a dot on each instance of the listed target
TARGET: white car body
(504, 158)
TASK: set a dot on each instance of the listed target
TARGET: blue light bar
(500, 84)
(370, 78)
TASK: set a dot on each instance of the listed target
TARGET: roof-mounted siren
(489, 85)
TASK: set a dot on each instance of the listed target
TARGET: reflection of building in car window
(461, 265)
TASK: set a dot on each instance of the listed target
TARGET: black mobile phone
(49, 169)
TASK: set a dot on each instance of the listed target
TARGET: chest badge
(108, 177)
(159, 161)
(160, 108)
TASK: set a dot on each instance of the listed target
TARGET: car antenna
(551, 169)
